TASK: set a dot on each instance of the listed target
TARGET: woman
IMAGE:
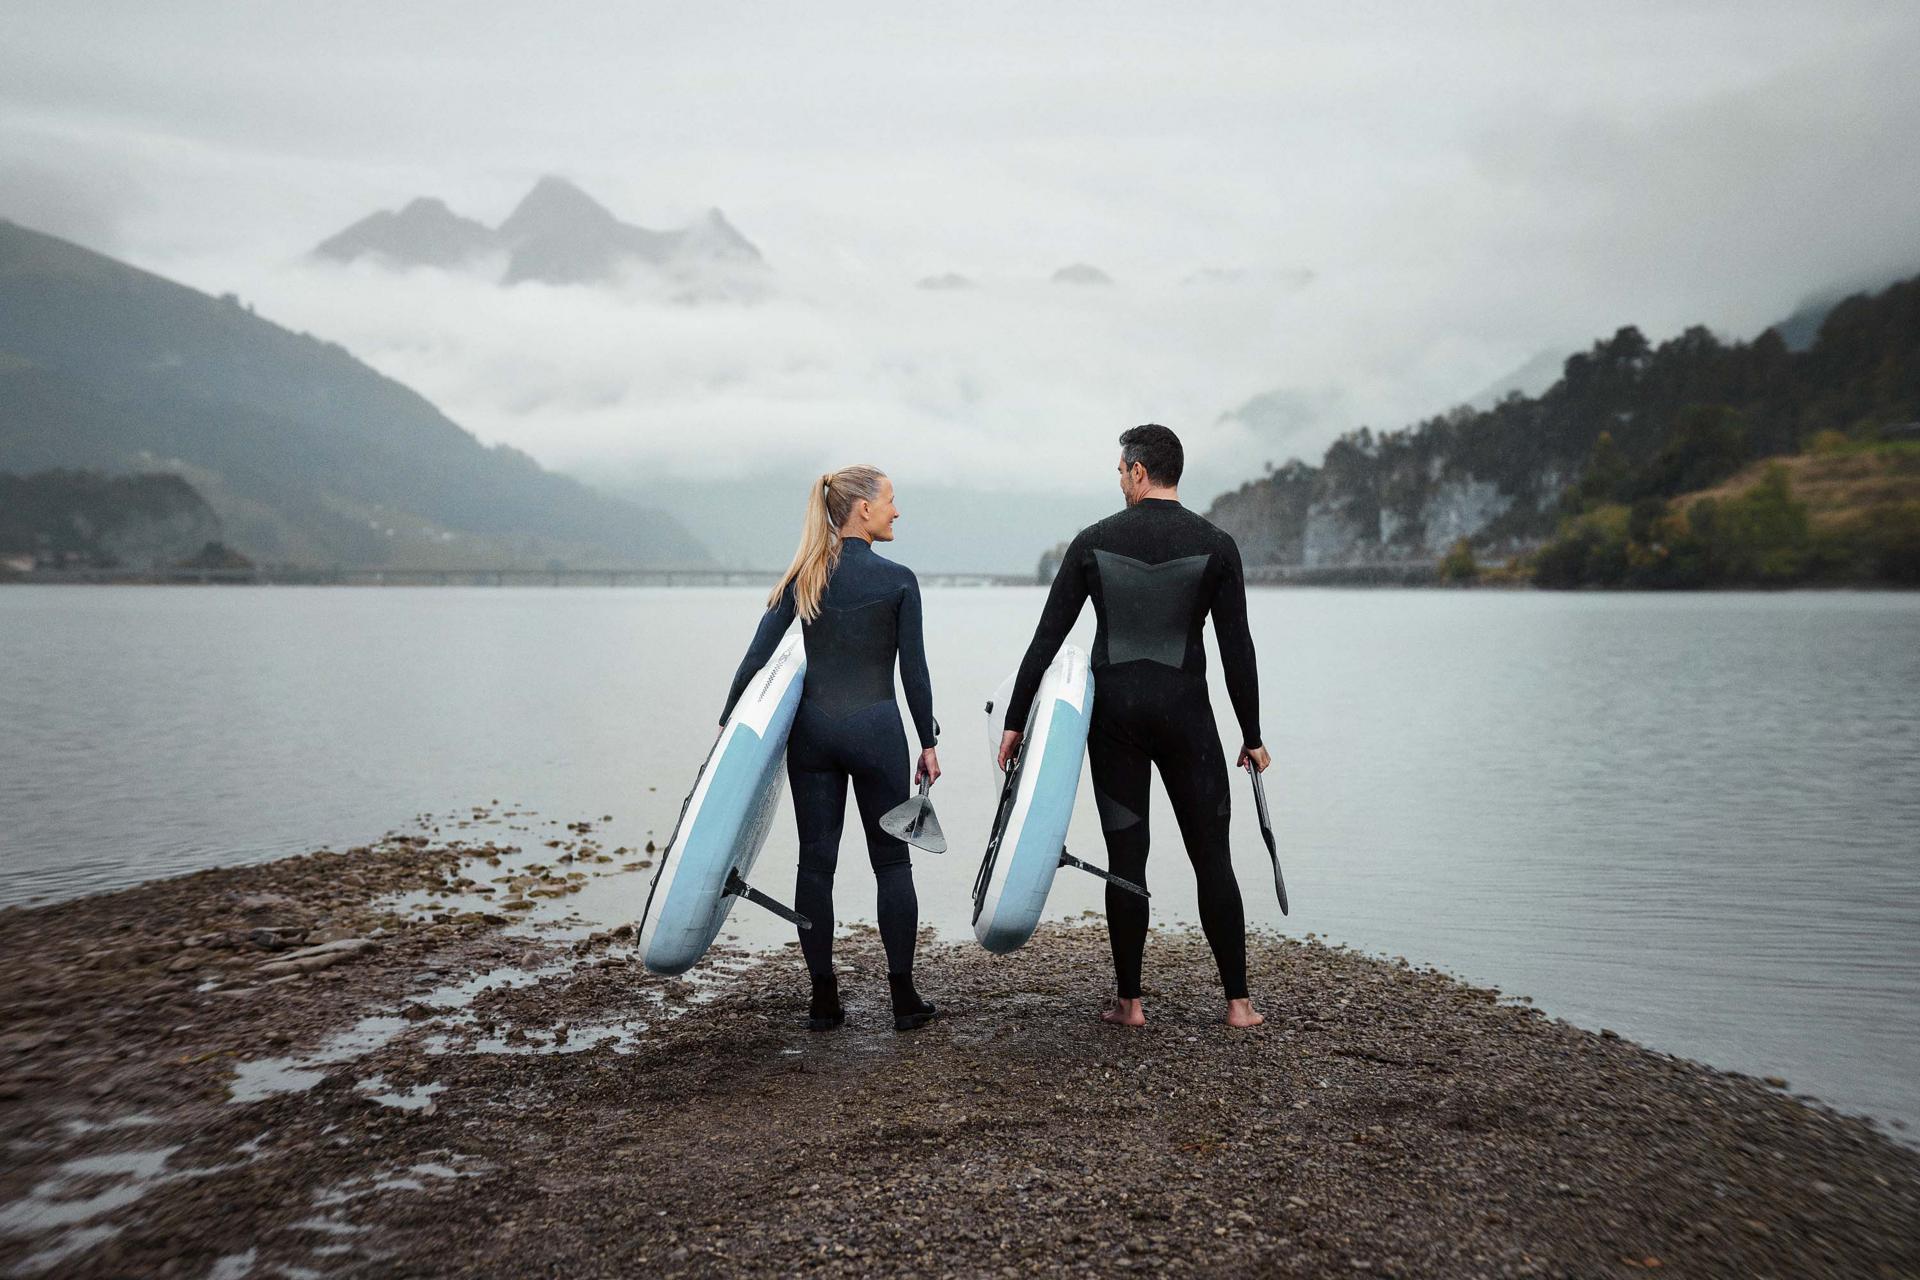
(856, 612)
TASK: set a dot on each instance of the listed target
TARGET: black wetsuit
(848, 727)
(1155, 570)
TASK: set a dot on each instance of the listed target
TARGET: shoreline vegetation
(1843, 514)
(283, 1065)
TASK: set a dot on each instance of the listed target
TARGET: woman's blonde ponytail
(829, 504)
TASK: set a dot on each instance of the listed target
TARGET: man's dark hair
(1155, 448)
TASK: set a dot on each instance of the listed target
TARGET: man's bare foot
(1240, 1013)
(1125, 1013)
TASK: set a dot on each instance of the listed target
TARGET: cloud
(1017, 380)
(81, 197)
(1381, 210)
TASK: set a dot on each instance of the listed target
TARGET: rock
(104, 958)
(186, 961)
(346, 946)
(313, 959)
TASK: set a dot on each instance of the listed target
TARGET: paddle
(1266, 832)
(914, 821)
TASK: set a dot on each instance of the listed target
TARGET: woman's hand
(929, 767)
(1009, 741)
(1258, 756)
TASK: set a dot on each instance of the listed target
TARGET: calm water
(1694, 819)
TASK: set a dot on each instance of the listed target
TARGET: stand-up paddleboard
(1028, 841)
(724, 821)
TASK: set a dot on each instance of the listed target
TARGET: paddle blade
(914, 821)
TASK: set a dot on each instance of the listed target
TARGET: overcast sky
(1467, 184)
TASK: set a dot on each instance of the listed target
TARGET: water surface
(1693, 819)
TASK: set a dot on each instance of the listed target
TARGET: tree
(1604, 476)
(1458, 564)
(1709, 443)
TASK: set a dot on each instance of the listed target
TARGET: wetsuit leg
(1194, 771)
(819, 811)
(875, 754)
(1121, 774)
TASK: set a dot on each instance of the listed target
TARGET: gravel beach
(286, 1069)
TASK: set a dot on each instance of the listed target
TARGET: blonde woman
(857, 612)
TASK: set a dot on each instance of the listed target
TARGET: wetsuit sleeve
(1236, 646)
(913, 664)
(773, 625)
(1062, 610)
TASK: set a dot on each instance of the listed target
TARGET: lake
(1693, 819)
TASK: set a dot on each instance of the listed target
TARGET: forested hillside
(1628, 422)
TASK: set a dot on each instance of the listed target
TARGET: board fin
(741, 889)
(1068, 860)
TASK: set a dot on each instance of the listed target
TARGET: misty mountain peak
(425, 209)
(423, 233)
(712, 236)
(556, 206)
(1081, 273)
(557, 234)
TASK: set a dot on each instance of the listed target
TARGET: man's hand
(1259, 757)
(1009, 743)
(929, 767)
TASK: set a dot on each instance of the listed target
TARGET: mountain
(557, 234)
(306, 454)
(1633, 419)
(425, 233)
(1540, 371)
(1800, 329)
(1081, 273)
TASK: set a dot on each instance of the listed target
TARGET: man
(1155, 571)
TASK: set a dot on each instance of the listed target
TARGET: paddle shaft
(740, 888)
(1266, 833)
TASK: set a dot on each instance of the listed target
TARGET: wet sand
(186, 1089)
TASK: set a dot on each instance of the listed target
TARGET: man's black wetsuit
(848, 726)
(1155, 570)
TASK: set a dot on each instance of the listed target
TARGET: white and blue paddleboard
(1029, 836)
(724, 820)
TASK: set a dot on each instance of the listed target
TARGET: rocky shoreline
(363, 1063)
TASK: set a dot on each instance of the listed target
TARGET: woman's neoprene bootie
(825, 1013)
(909, 1010)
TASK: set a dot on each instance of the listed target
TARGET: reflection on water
(1689, 818)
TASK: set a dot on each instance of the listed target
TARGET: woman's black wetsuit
(1155, 571)
(848, 727)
